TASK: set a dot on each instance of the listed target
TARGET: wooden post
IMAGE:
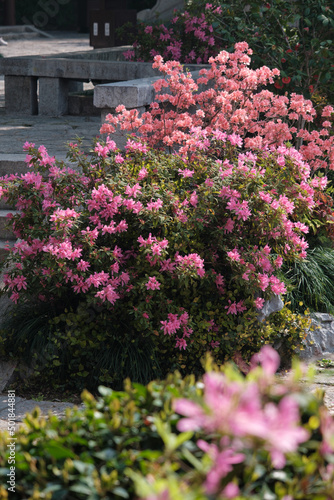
(10, 18)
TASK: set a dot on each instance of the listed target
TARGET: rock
(319, 342)
(274, 304)
(162, 10)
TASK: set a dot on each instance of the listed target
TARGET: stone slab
(8, 164)
(52, 132)
(58, 42)
(23, 406)
(4, 404)
(80, 69)
(132, 93)
(320, 338)
(82, 105)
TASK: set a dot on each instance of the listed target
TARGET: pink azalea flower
(259, 302)
(234, 255)
(153, 284)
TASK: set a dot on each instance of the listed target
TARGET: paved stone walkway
(23, 406)
(58, 42)
(53, 133)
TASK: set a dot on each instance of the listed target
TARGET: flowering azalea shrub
(228, 98)
(225, 436)
(162, 250)
(255, 438)
(179, 251)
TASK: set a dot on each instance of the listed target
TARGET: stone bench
(40, 85)
(138, 93)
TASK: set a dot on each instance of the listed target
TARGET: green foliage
(77, 350)
(288, 331)
(126, 444)
(325, 363)
(295, 37)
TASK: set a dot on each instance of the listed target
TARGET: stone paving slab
(53, 133)
(60, 42)
(23, 406)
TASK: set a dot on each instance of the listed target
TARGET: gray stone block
(132, 94)
(81, 105)
(21, 95)
(274, 304)
(74, 86)
(53, 94)
(81, 69)
(8, 165)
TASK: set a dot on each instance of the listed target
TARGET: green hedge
(127, 444)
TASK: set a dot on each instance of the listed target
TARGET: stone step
(8, 36)
(12, 164)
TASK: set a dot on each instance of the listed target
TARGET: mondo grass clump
(312, 281)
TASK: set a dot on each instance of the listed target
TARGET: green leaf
(58, 451)
(104, 391)
(82, 488)
(106, 454)
(120, 492)
(82, 467)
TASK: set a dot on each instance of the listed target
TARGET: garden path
(53, 133)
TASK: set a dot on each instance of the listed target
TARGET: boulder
(319, 342)
(163, 10)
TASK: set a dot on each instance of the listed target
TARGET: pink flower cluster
(236, 414)
(189, 39)
(175, 323)
(234, 102)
